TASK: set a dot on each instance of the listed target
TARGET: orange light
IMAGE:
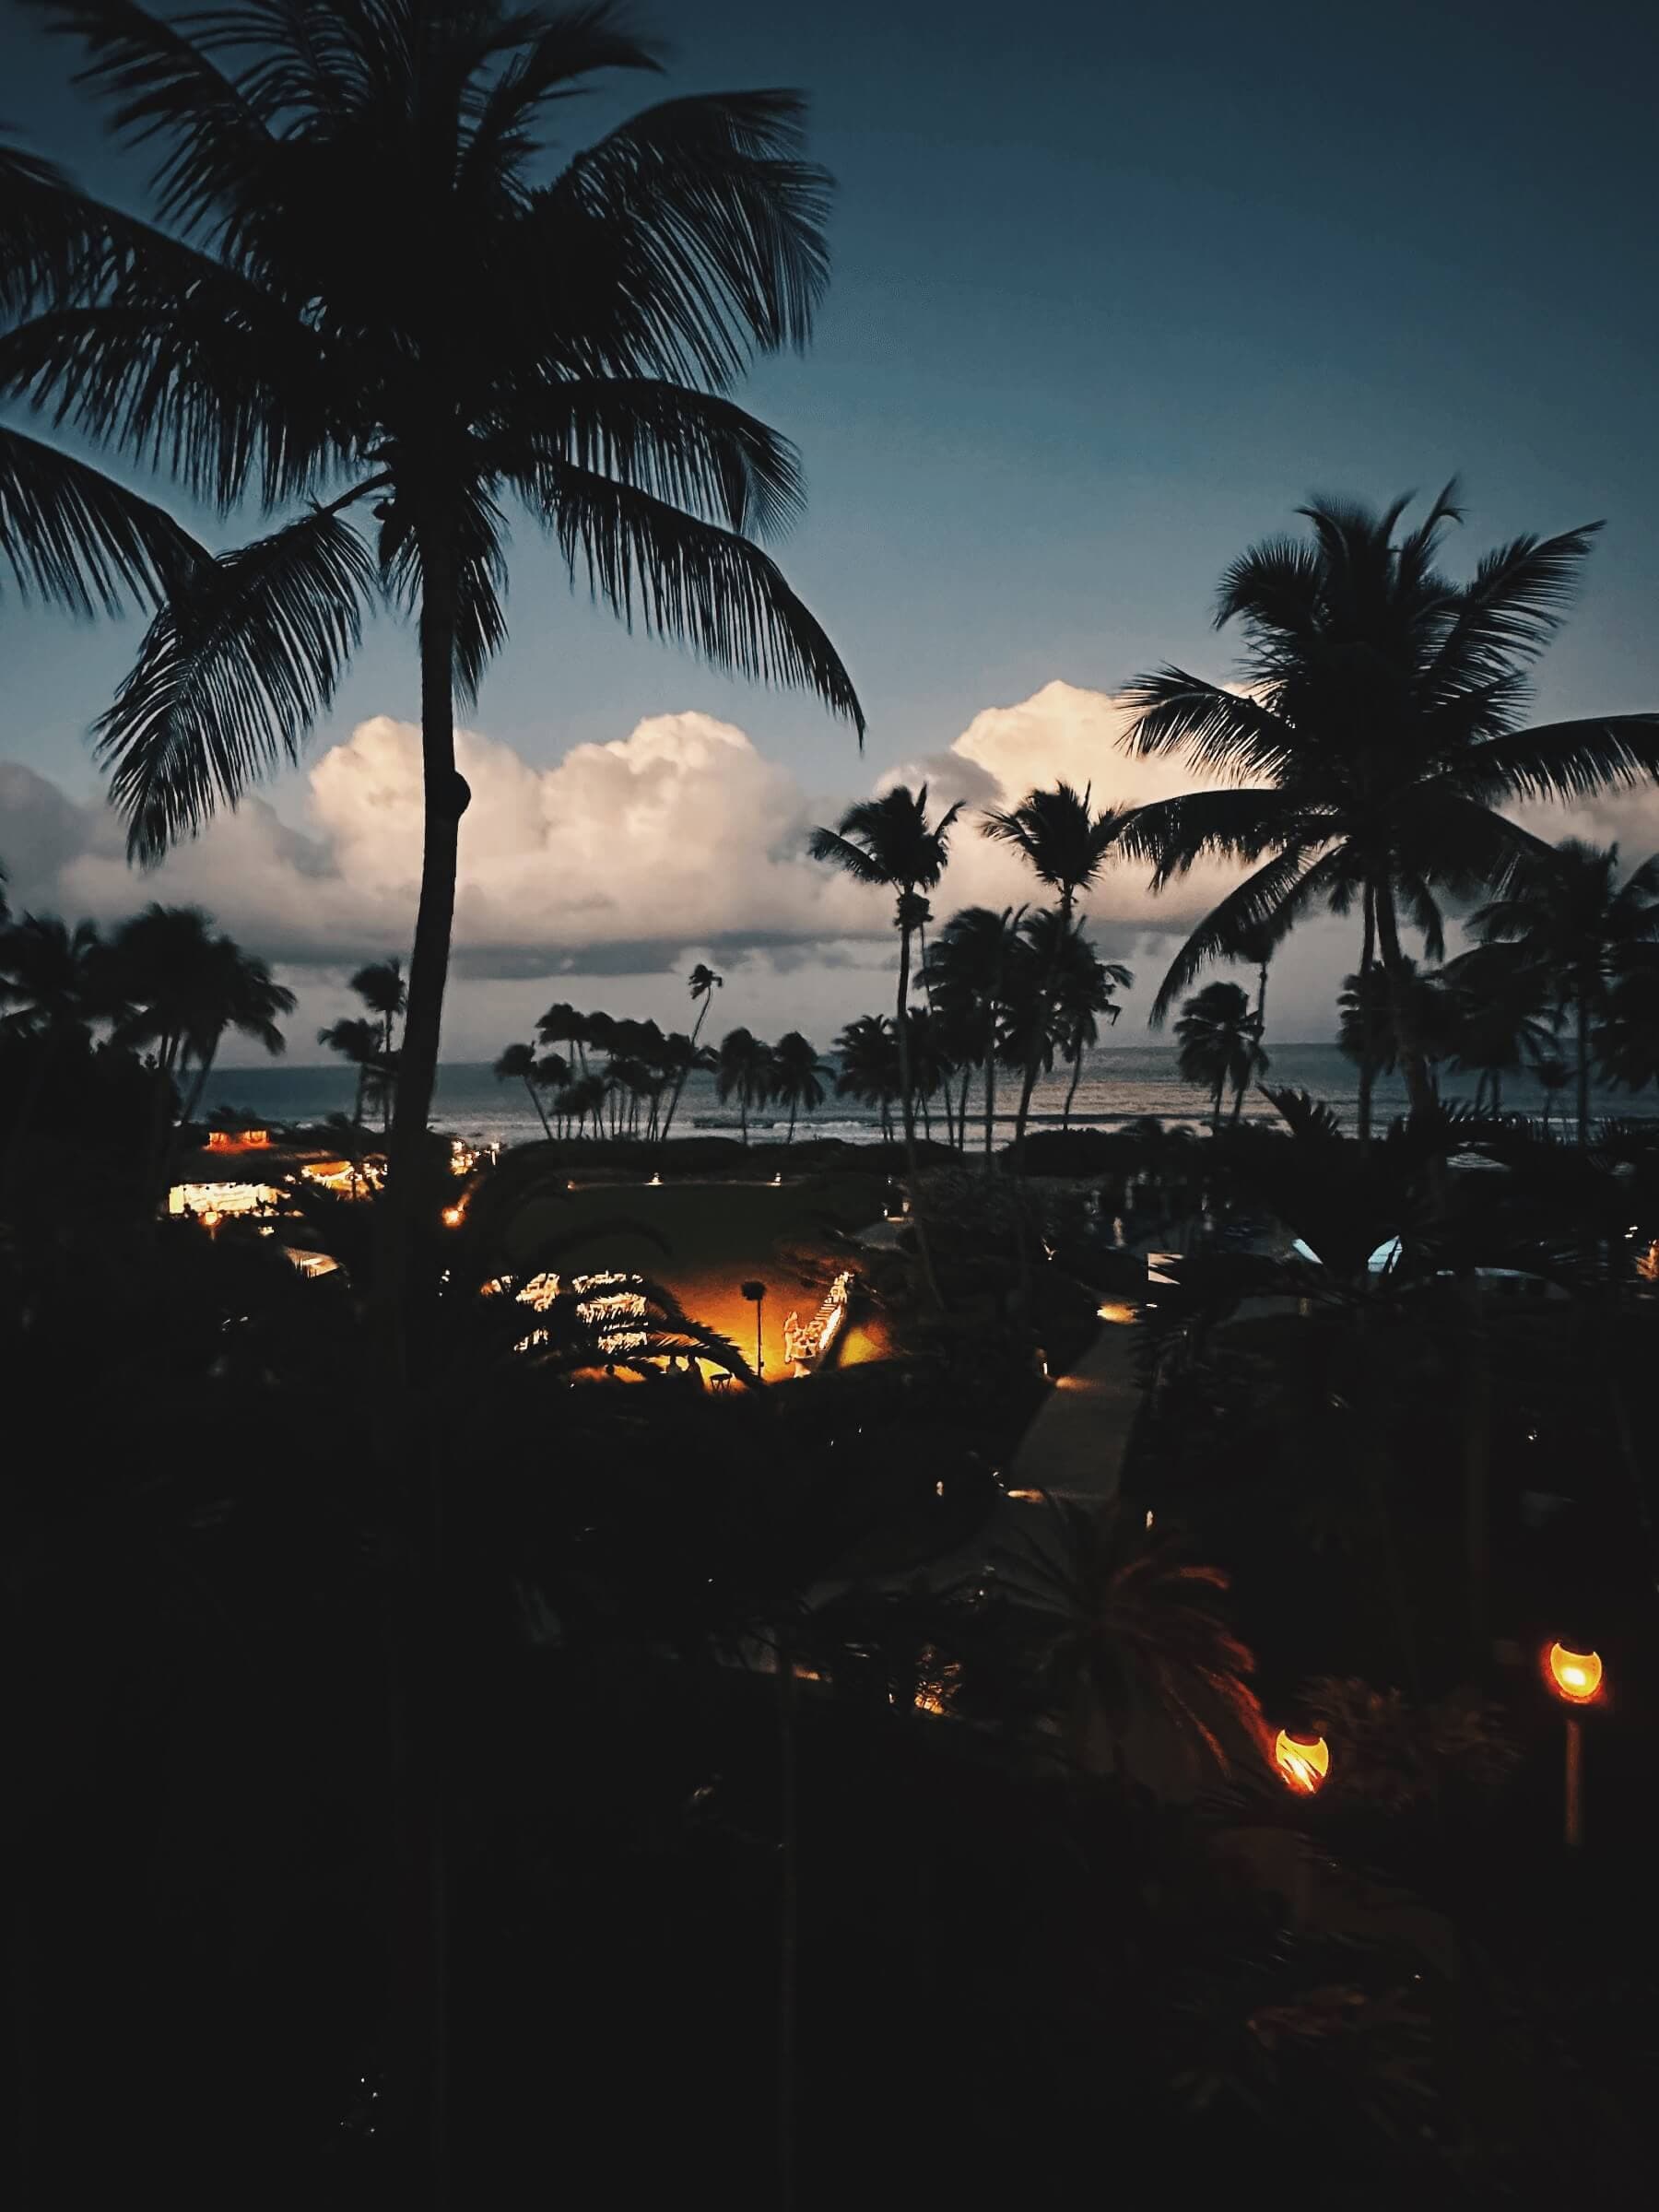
(1575, 1676)
(1302, 1760)
(452, 1216)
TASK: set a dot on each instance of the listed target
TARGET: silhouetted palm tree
(1570, 915)
(518, 1064)
(702, 983)
(1554, 1077)
(1627, 1039)
(1368, 1028)
(890, 841)
(744, 1072)
(381, 987)
(1498, 998)
(1217, 1033)
(54, 984)
(1132, 1636)
(565, 1023)
(565, 345)
(357, 1041)
(869, 1069)
(551, 1076)
(798, 1075)
(1083, 992)
(968, 963)
(1374, 739)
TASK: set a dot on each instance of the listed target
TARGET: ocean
(1120, 1082)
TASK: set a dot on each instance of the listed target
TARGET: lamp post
(1576, 1678)
(755, 1292)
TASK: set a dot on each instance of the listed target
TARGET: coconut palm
(54, 984)
(565, 1023)
(1132, 1639)
(1571, 917)
(890, 841)
(562, 340)
(381, 987)
(967, 966)
(869, 1067)
(358, 1042)
(702, 983)
(1217, 1043)
(186, 986)
(743, 1071)
(1373, 740)
(1498, 1001)
(518, 1064)
(798, 1076)
(1368, 1030)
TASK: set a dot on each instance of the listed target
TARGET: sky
(1114, 290)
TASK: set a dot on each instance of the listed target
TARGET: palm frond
(1221, 730)
(1564, 760)
(699, 223)
(1511, 606)
(1275, 587)
(1173, 834)
(1269, 902)
(549, 60)
(74, 536)
(690, 579)
(166, 91)
(231, 676)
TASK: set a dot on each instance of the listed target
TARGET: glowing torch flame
(1575, 1676)
(1302, 1760)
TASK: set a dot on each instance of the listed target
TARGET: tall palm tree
(518, 1064)
(1374, 739)
(567, 1025)
(702, 983)
(1217, 1040)
(54, 984)
(551, 1074)
(968, 963)
(564, 340)
(744, 1072)
(1627, 1039)
(869, 1067)
(1065, 844)
(891, 842)
(357, 1041)
(1572, 916)
(798, 1075)
(381, 987)
(1370, 1033)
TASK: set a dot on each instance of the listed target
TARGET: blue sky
(1114, 289)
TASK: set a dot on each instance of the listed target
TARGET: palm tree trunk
(1072, 1089)
(357, 1103)
(793, 1105)
(1419, 1089)
(1215, 1104)
(541, 1110)
(387, 1089)
(913, 1166)
(1582, 995)
(743, 1113)
(990, 1082)
(1368, 1043)
(192, 1103)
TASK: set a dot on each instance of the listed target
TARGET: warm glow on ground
(1118, 1310)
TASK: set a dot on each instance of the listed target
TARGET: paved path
(1075, 1447)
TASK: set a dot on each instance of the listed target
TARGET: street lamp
(1576, 1678)
(756, 1293)
(1303, 1760)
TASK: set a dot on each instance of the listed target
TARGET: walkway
(1075, 1447)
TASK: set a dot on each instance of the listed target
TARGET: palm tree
(54, 982)
(565, 1023)
(1571, 917)
(1369, 1032)
(744, 1072)
(798, 1075)
(1373, 740)
(869, 1069)
(1258, 946)
(1217, 1043)
(1498, 999)
(381, 987)
(518, 1064)
(1066, 846)
(702, 983)
(1132, 1637)
(552, 1075)
(357, 1041)
(890, 841)
(567, 345)
(968, 963)
(1554, 1075)
(1083, 991)
(1626, 1041)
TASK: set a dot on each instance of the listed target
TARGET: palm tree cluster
(367, 1040)
(165, 983)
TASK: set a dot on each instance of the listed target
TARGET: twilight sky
(1115, 289)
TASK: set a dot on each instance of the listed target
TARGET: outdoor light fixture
(1576, 1678)
(1303, 1762)
(754, 1291)
(452, 1216)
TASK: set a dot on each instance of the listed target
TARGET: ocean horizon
(1119, 1084)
